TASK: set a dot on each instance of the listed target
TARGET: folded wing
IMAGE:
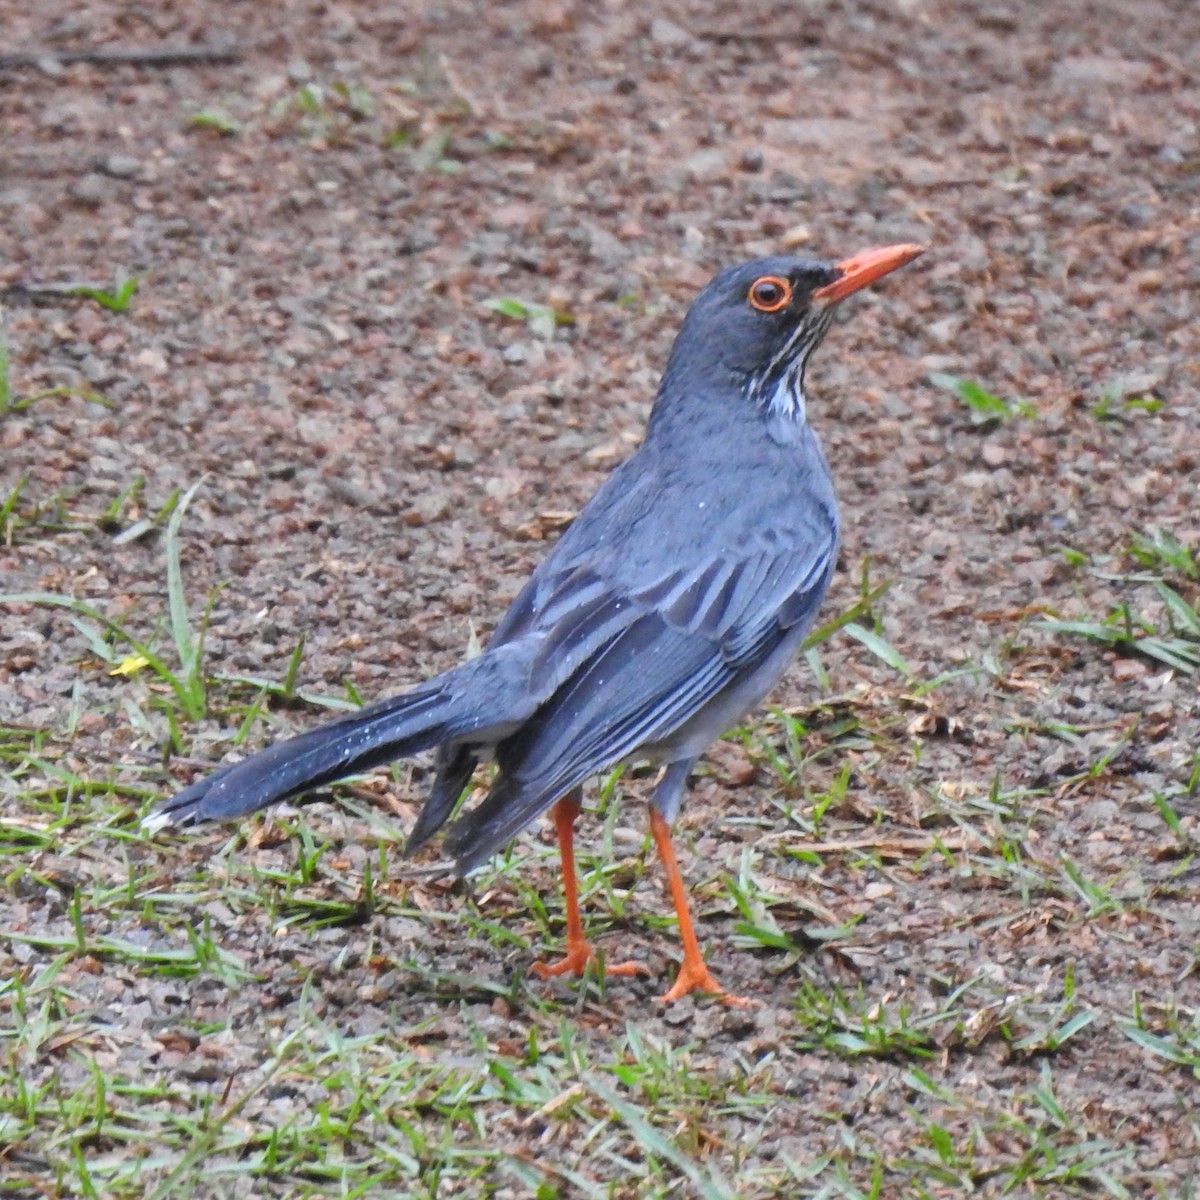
(657, 659)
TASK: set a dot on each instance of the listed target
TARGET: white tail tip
(156, 822)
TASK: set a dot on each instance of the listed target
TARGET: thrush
(665, 612)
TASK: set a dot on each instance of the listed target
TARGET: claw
(577, 960)
(698, 978)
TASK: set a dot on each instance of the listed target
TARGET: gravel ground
(955, 863)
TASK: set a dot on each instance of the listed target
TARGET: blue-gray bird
(669, 608)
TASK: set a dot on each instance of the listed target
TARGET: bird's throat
(785, 401)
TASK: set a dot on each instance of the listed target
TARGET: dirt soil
(957, 870)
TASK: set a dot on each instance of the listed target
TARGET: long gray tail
(394, 728)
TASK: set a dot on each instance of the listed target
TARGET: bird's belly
(726, 709)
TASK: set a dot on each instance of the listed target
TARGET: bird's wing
(650, 662)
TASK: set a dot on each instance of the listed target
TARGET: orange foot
(696, 977)
(578, 958)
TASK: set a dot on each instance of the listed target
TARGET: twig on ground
(49, 293)
(887, 847)
(163, 56)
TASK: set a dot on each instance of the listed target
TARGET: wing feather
(655, 668)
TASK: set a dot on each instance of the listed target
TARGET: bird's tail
(424, 717)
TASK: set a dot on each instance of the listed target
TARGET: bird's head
(755, 325)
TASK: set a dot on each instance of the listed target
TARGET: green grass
(984, 407)
(1116, 405)
(11, 402)
(125, 653)
(542, 319)
(427, 122)
(1158, 616)
(286, 1007)
(1176, 1041)
(369, 1112)
(115, 299)
(216, 120)
(1162, 553)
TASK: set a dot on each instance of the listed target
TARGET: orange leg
(579, 950)
(694, 975)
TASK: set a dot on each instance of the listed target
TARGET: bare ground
(956, 864)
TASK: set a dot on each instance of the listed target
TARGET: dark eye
(770, 293)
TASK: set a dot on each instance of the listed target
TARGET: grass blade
(881, 648)
(708, 1184)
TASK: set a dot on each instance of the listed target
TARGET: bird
(666, 610)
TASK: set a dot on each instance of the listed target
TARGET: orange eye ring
(770, 294)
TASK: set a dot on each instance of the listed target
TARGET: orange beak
(865, 268)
